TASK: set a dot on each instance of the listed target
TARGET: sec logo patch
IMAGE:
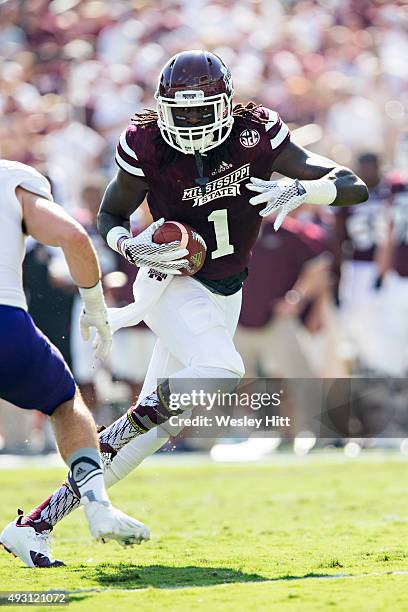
(249, 138)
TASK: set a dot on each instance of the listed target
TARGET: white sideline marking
(243, 582)
(281, 458)
(53, 460)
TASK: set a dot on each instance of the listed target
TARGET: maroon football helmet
(201, 81)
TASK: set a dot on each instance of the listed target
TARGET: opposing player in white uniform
(33, 374)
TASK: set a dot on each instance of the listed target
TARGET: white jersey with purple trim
(12, 238)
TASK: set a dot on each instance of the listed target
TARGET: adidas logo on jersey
(221, 168)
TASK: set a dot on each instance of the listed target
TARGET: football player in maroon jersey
(194, 159)
(394, 271)
(360, 232)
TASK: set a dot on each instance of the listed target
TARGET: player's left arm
(48, 223)
(316, 180)
(298, 163)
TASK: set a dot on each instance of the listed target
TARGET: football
(189, 239)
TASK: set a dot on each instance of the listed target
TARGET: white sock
(86, 476)
(133, 453)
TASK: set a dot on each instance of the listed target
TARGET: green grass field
(318, 534)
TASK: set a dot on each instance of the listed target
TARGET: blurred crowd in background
(320, 298)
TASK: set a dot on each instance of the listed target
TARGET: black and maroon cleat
(40, 560)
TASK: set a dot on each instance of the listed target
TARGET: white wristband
(114, 235)
(93, 297)
(320, 191)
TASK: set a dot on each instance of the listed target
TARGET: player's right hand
(144, 253)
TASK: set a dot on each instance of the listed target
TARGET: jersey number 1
(220, 220)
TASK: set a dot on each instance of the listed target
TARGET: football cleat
(31, 546)
(107, 523)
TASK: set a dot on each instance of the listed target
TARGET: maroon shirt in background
(361, 228)
(174, 195)
(399, 213)
(277, 260)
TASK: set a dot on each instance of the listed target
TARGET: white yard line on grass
(285, 458)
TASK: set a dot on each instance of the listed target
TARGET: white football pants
(195, 330)
(364, 315)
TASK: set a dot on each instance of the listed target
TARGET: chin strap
(202, 180)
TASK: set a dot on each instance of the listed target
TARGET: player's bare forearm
(124, 194)
(81, 259)
(350, 188)
(48, 223)
(298, 163)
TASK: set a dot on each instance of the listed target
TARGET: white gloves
(95, 315)
(143, 252)
(279, 196)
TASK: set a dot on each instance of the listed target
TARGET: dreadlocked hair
(143, 119)
(249, 112)
(168, 156)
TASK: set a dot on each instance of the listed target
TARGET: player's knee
(63, 409)
(210, 378)
(223, 366)
(74, 404)
(218, 372)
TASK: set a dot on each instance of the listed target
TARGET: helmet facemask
(201, 138)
